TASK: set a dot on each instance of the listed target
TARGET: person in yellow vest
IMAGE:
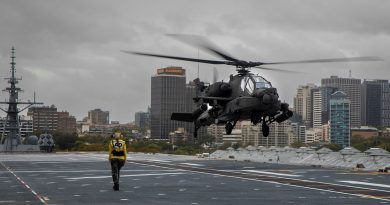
(117, 156)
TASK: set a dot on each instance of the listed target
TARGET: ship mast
(12, 140)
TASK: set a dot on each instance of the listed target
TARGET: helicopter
(245, 97)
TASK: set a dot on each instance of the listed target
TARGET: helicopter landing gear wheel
(229, 128)
(196, 132)
(265, 129)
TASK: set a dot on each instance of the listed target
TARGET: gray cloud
(69, 51)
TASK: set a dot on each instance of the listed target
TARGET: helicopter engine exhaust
(219, 89)
(196, 113)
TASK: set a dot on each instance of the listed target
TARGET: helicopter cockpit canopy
(251, 82)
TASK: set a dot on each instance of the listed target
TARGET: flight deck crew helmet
(117, 135)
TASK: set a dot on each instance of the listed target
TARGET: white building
(234, 137)
(217, 132)
(316, 96)
(25, 126)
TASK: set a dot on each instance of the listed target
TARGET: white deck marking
(91, 170)
(130, 175)
(272, 173)
(367, 184)
(21, 181)
(193, 164)
(291, 185)
(158, 160)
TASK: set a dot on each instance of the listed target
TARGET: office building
(316, 107)
(217, 131)
(326, 92)
(142, 119)
(340, 119)
(302, 104)
(351, 87)
(234, 138)
(66, 123)
(251, 134)
(280, 134)
(45, 118)
(375, 103)
(169, 94)
(98, 117)
(302, 133)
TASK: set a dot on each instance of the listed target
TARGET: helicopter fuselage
(245, 97)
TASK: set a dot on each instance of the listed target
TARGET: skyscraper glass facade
(340, 119)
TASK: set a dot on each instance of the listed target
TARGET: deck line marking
(130, 175)
(193, 164)
(272, 182)
(78, 171)
(366, 183)
(25, 184)
(271, 173)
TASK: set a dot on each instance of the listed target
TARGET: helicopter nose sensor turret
(267, 96)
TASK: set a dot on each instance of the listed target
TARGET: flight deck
(85, 178)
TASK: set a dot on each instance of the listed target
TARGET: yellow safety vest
(117, 149)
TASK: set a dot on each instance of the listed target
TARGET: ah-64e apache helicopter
(245, 97)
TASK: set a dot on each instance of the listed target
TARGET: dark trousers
(116, 165)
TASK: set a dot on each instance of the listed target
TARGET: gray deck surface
(85, 178)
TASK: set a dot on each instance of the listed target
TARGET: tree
(333, 147)
(297, 144)
(65, 140)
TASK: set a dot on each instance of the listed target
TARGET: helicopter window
(247, 85)
(261, 82)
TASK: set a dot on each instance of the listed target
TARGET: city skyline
(69, 52)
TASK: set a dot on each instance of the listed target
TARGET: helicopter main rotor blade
(199, 41)
(275, 69)
(329, 60)
(177, 58)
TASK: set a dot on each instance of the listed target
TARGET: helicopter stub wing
(184, 117)
(214, 98)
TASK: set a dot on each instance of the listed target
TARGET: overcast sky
(68, 52)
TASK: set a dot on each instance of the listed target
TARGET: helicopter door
(247, 85)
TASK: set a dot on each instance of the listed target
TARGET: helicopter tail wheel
(229, 128)
(265, 130)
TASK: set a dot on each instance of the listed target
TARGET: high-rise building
(295, 132)
(45, 118)
(351, 87)
(99, 117)
(170, 94)
(326, 92)
(316, 105)
(66, 123)
(142, 119)
(375, 104)
(302, 103)
(302, 133)
(340, 119)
